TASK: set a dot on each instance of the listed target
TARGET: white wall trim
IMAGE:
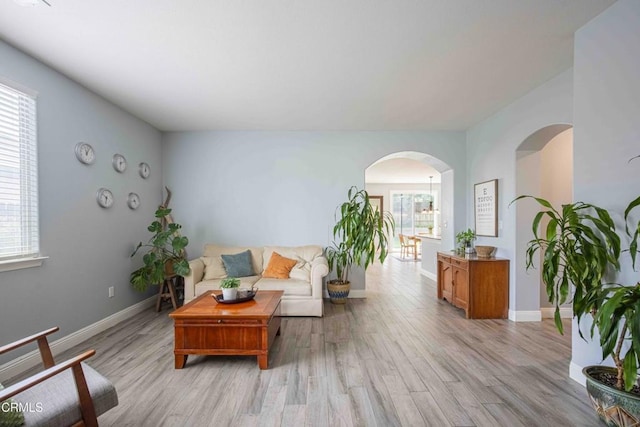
(353, 293)
(575, 372)
(525, 316)
(429, 274)
(549, 312)
(31, 359)
(20, 263)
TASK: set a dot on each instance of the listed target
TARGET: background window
(19, 236)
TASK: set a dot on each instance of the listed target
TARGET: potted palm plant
(362, 231)
(579, 246)
(165, 254)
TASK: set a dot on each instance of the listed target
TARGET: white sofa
(302, 290)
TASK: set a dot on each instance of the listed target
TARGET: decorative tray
(219, 298)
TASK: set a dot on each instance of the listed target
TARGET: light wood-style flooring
(398, 358)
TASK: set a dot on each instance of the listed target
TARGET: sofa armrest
(195, 276)
(319, 269)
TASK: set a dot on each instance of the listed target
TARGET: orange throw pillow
(279, 267)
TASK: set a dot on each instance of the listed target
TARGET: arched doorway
(417, 189)
(544, 168)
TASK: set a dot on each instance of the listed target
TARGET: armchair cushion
(60, 397)
(238, 265)
(10, 413)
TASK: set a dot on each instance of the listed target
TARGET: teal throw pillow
(10, 414)
(238, 265)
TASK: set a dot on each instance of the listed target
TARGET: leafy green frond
(165, 250)
(362, 232)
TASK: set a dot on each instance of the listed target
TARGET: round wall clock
(104, 198)
(145, 170)
(119, 163)
(133, 201)
(85, 153)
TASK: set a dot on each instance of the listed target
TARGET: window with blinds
(19, 236)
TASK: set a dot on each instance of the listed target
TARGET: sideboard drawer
(444, 258)
(463, 264)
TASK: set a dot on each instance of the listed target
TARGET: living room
(255, 185)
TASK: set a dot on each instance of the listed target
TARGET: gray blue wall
(491, 154)
(282, 188)
(607, 124)
(88, 247)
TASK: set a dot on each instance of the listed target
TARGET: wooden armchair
(50, 397)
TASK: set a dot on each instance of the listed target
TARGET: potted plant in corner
(165, 254)
(229, 288)
(579, 246)
(362, 231)
(464, 239)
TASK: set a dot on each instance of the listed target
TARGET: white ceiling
(304, 64)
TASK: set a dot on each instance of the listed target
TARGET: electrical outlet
(112, 291)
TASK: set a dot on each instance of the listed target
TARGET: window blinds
(19, 235)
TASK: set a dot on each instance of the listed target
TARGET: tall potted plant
(165, 253)
(579, 246)
(362, 231)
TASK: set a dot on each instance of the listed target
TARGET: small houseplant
(229, 288)
(165, 254)
(579, 246)
(362, 232)
(464, 239)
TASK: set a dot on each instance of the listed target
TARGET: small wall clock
(119, 163)
(85, 153)
(104, 198)
(144, 170)
(133, 201)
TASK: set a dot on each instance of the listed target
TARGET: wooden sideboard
(480, 286)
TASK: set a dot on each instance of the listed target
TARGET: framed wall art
(485, 202)
(376, 202)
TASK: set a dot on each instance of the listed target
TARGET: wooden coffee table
(204, 326)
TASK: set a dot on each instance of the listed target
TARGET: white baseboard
(549, 312)
(31, 359)
(525, 316)
(429, 275)
(353, 293)
(575, 373)
(358, 293)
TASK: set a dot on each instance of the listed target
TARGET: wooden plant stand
(167, 292)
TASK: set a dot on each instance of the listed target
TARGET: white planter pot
(229, 294)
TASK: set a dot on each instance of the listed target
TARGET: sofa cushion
(10, 413)
(301, 253)
(302, 271)
(238, 265)
(290, 287)
(279, 267)
(213, 268)
(256, 253)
